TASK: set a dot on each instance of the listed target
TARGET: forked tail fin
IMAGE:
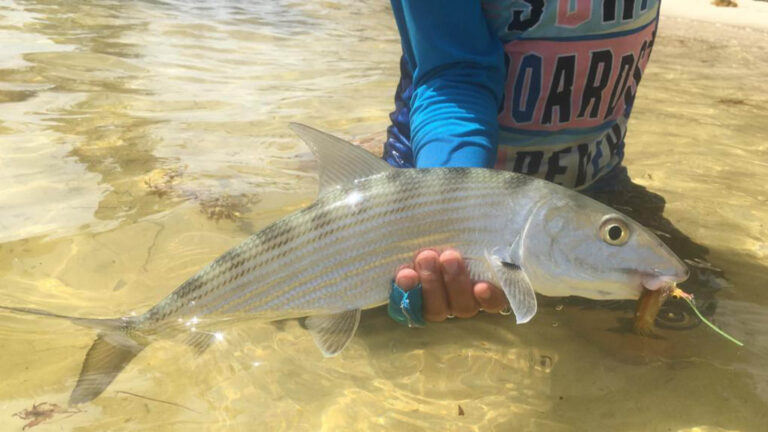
(115, 346)
(108, 356)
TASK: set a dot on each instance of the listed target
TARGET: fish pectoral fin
(109, 354)
(341, 162)
(334, 331)
(516, 286)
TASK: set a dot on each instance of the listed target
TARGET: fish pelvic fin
(341, 162)
(109, 354)
(334, 331)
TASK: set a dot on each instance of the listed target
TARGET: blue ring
(405, 306)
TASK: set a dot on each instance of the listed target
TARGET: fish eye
(614, 231)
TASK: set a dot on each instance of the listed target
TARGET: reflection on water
(142, 139)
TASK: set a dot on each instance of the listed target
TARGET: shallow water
(142, 139)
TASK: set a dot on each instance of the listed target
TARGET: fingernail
(451, 267)
(427, 265)
(406, 283)
(484, 294)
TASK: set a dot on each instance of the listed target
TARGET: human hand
(447, 289)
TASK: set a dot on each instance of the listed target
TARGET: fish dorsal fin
(340, 162)
(516, 286)
(333, 332)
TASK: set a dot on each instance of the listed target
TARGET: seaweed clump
(41, 412)
(166, 182)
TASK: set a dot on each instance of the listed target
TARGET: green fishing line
(712, 326)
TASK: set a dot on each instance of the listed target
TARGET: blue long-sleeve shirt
(542, 88)
(457, 69)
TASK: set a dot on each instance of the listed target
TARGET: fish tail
(116, 344)
(93, 323)
(109, 354)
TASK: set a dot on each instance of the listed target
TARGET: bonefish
(337, 256)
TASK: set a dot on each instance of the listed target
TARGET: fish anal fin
(514, 282)
(340, 162)
(200, 341)
(109, 354)
(334, 331)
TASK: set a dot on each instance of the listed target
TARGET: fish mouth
(666, 273)
(656, 280)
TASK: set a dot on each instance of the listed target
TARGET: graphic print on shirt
(573, 67)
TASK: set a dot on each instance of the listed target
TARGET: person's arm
(458, 76)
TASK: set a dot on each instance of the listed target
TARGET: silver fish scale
(341, 252)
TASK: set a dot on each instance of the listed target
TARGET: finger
(461, 300)
(491, 298)
(433, 289)
(406, 278)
